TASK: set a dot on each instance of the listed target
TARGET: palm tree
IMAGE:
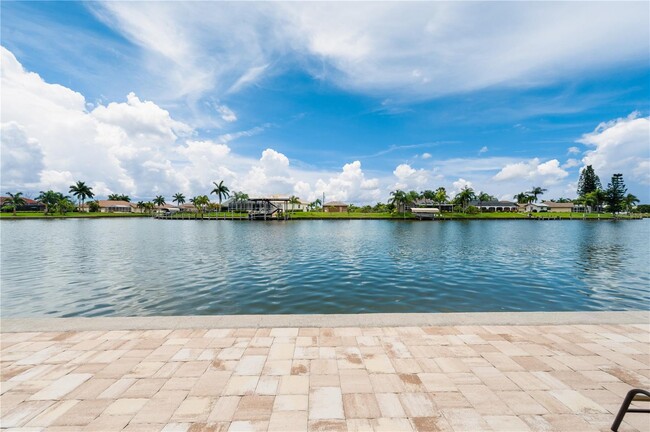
(200, 202)
(16, 200)
(293, 200)
(441, 196)
(398, 199)
(141, 205)
(159, 200)
(179, 198)
(483, 197)
(596, 198)
(49, 198)
(220, 190)
(522, 198)
(537, 190)
(315, 204)
(82, 192)
(64, 204)
(630, 200)
(465, 196)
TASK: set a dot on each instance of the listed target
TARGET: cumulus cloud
(21, 157)
(426, 156)
(620, 145)
(546, 173)
(483, 149)
(571, 163)
(459, 185)
(573, 150)
(409, 178)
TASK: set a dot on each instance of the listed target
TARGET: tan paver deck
(424, 378)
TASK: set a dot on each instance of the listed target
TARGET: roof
(28, 201)
(537, 204)
(551, 204)
(113, 203)
(493, 203)
(335, 204)
(425, 210)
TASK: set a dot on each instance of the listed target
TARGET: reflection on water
(146, 267)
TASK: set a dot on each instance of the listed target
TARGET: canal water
(143, 267)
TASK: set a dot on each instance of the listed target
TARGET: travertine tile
(288, 421)
(291, 403)
(360, 405)
(254, 408)
(326, 403)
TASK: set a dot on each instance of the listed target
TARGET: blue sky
(342, 99)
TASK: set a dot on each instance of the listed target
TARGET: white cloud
(621, 145)
(571, 163)
(535, 171)
(459, 185)
(409, 178)
(573, 150)
(426, 156)
(227, 114)
(21, 157)
(483, 149)
(452, 47)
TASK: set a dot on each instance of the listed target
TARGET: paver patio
(424, 378)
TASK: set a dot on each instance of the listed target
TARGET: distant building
(335, 207)
(555, 207)
(495, 206)
(30, 205)
(113, 206)
(533, 207)
(427, 203)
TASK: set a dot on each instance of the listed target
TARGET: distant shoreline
(347, 216)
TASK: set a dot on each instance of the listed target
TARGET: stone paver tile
(288, 421)
(117, 388)
(521, 403)
(125, 406)
(360, 405)
(108, 423)
(224, 409)
(390, 405)
(324, 367)
(281, 351)
(209, 427)
(569, 423)
(211, 383)
(391, 425)
(437, 382)
(25, 411)
(484, 400)
(143, 427)
(61, 387)
(291, 403)
(465, 420)
(82, 413)
(577, 402)
(268, 385)
(144, 388)
(502, 362)
(434, 423)
(451, 365)
(355, 381)
(160, 408)
(248, 426)
(358, 425)
(193, 409)
(91, 389)
(324, 381)
(386, 383)
(300, 367)
(379, 364)
(417, 404)
(327, 426)
(294, 384)
(506, 423)
(277, 367)
(412, 383)
(450, 400)
(284, 332)
(254, 407)
(250, 365)
(52, 413)
(176, 427)
(325, 403)
(241, 385)
(192, 369)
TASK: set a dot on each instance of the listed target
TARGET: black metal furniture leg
(625, 407)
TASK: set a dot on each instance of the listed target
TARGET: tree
(317, 203)
(465, 196)
(141, 205)
(616, 193)
(484, 197)
(412, 197)
(81, 191)
(159, 200)
(93, 206)
(537, 190)
(588, 182)
(239, 197)
(630, 200)
(49, 199)
(220, 190)
(64, 204)
(119, 197)
(595, 198)
(15, 200)
(200, 202)
(398, 199)
(441, 196)
(293, 200)
(523, 198)
(429, 195)
(179, 198)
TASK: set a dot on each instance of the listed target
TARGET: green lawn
(40, 215)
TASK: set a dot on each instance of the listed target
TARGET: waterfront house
(335, 207)
(30, 205)
(555, 207)
(495, 206)
(427, 203)
(114, 206)
(533, 207)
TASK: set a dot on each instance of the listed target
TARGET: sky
(350, 100)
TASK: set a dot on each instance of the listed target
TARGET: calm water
(146, 267)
